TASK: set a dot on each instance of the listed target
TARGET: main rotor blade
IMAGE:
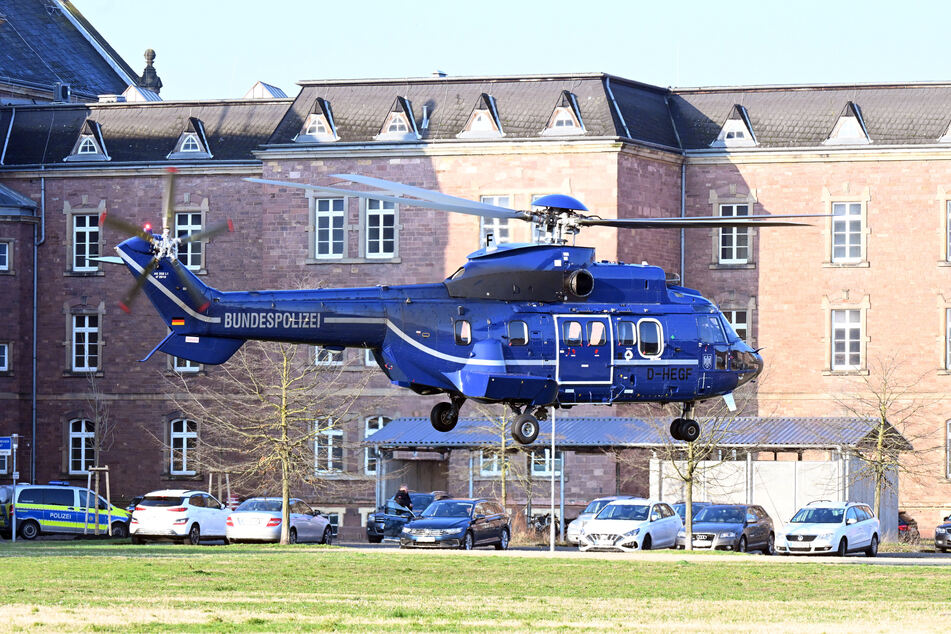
(210, 232)
(199, 302)
(418, 192)
(124, 226)
(168, 199)
(700, 221)
(126, 303)
(474, 209)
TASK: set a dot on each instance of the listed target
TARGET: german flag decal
(178, 322)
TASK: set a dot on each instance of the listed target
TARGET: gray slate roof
(576, 432)
(11, 201)
(39, 47)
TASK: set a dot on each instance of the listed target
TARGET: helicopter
(533, 326)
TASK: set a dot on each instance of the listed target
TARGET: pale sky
(220, 48)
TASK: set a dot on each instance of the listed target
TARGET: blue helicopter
(533, 326)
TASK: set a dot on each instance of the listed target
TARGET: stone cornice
(756, 156)
(105, 171)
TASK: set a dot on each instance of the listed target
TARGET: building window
(184, 366)
(85, 242)
(371, 455)
(85, 343)
(947, 339)
(189, 253)
(191, 144)
(330, 233)
(397, 124)
(4, 357)
(734, 241)
(368, 359)
(183, 441)
(846, 339)
(328, 447)
(4, 465)
(4, 256)
(334, 519)
(315, 125)
(947, 462)
(542, 463)
(846, 232)
(563, 119)
(490, 464)
(498, 228)
(739, 319)
(87, 146)
(325, 357)
(82, 445)
(381, 229)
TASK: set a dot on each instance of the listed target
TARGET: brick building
(825, 301)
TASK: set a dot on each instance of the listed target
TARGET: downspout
(36, 244)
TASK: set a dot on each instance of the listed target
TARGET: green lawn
(112, 586)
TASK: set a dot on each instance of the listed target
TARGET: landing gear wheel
(675, 429)
(525, 429)
(689, 430)
(444, 417)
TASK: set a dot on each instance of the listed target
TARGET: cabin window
(572, 333)
(518, 333)
(649, 334)
(596, 333)
(710, 329)
(463, 332)
(625, 333)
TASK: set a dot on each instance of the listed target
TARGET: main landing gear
(525, 428)
(685, 428)
(444, 416)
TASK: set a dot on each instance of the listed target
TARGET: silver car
(259, 520)
(573, 532)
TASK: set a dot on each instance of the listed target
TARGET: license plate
(605, 542)
(426, 539)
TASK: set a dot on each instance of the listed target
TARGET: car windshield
(421, 500)
(721, 515)
(637, 512)
(174, 500)
(595, 506)
(448, 509)
(818, 516)
(261, 506)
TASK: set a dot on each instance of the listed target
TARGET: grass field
(102, 586)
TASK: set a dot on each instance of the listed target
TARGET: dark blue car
(459, 523)
(388, 520)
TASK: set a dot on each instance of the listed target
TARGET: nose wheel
(685, 428)
(444, 416)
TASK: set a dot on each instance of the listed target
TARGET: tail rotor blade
(210, 232)
(199, 302)
(123, 225)
(126, 303)
(168, 199)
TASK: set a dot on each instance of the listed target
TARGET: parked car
(61, 508)
(573, 531)
(459, 523)
(389, 519)
(130, 507)
(259, 520)
(830, 527)
(631, 524)
(907, 529)
(180, 515)
(681, 509)
(942, 535)
(738, 527)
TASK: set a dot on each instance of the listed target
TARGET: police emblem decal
(708, 362)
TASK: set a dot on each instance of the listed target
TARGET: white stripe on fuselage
(168, 293)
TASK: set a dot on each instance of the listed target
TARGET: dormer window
(849, 128)
(483, 121)
(319, 125)
(90, 145)
(192, 144)
(315, 125)
(87, 145)
(400, 124)
(737, 130)
(565, 118)
(397, 123)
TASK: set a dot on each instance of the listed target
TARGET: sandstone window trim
(499, 228)
(372, 455)
(717, 202)
(85, 228)
(183, 439)
(81, 445)
(830, 307)
(6, 256)
(830, 203)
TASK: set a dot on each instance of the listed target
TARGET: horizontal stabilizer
(200, 349)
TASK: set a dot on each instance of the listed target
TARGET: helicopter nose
(750, 366)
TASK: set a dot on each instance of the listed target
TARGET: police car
(60, 508)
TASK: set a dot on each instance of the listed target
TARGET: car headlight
(632, 533)
(939, 531)
(826, 536)
(727, 535)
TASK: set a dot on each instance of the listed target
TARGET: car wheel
(770, 545)
(872, 549)
(194, 535)
(503, 540)
(29, 529)
(120, 530)
(741, 546)
(467, 542)
(646, 545)
(843, 548)
(944, 550)
(292, 536)
(328, 536)
(374, 540)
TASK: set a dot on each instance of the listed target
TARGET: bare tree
(98, 405)
(265, 413)
(892, 401)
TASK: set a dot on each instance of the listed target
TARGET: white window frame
(947, 339)
(640, 339)
(840, 226)
(5, 253)
(397, 123)
(4, 356)
(371, 455)
(841, 332)
(191, 143)
(368, 359)
(327, 358)
(947, 231)
(189, 252)
(85, 441)
(185, 366)
(732, 317)
(947, 441)
(85, 233)
(86, 142)
(490, 466)
(733, 235)
(325, 441)
(500, 228)
(184, 436)
(541, 463)
(315, 125)
(82, 330)
(377, 212)
(563, 119)
(330, 216)
(4, 465)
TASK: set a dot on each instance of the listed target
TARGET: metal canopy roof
(576, 432)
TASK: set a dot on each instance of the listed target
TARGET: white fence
(780, 487)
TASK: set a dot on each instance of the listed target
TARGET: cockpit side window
(596, 333)
(518, 333)
(626, 334)
(463, 332)
(572, 333)
(651, 338)
(710, 329)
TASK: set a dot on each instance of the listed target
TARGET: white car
(180, 515)
(632, 524)
(259, 520)
(830, 527)
(573, 532)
